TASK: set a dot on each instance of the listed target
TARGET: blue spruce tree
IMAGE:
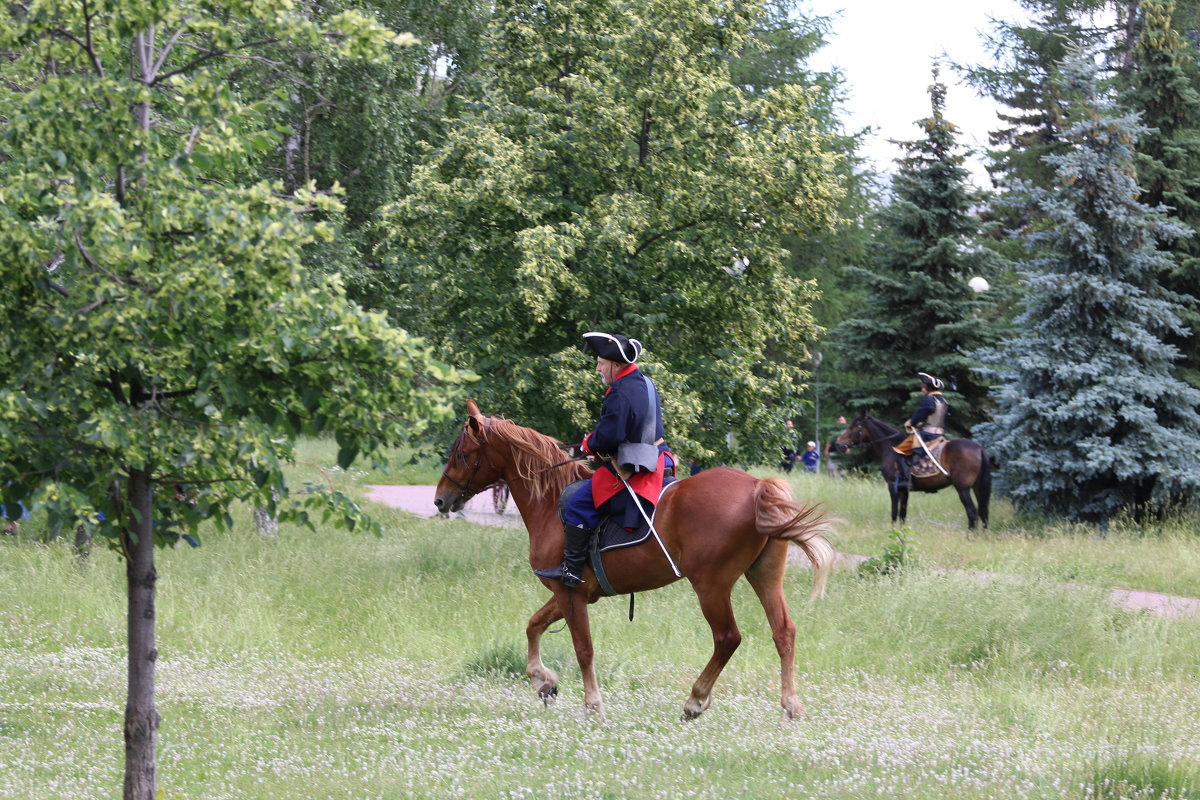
(1090, 418)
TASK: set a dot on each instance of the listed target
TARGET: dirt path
(419, 500)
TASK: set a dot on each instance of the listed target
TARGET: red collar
(628, 369)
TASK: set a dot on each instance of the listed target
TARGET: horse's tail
(983, 486)
(779, 516)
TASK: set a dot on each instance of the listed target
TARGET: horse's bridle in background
(862, 428)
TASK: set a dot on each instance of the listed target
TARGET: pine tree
(1023, 80)
(919, 314)
(1090, 418)
(1168, 162)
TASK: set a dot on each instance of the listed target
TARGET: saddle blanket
(922, 467)
(610, 534)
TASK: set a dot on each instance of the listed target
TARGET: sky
(886, 49)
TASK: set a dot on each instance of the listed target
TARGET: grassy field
(337, 665)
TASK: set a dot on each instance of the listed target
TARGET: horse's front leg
(573, 606)
(544, 680)
(894, 493)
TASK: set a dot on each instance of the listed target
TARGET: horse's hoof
(548, 692)
(693, 708)
(793, 710)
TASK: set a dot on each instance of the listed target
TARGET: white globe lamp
(979, 284)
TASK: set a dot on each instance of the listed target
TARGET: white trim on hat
(932, 381)
(634, 344)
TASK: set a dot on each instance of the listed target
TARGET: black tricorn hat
(929, 380)
(614, 346)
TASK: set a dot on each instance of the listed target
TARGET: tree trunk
(264, 523)
(141, 717)
(83, 543)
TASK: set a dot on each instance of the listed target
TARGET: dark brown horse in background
(718, 526)
(966, 462)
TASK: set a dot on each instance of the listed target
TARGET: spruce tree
(1090, 418)
(919, 315)
(1022, 79)
(1162, 90)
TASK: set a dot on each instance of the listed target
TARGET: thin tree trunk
(264, 523)
(141, 717)
(83, 543)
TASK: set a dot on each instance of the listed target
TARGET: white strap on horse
(929, 453)
(637, 502)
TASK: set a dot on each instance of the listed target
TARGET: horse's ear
(475, 420)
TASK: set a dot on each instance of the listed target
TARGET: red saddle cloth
(922, 467)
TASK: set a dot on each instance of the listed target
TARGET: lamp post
(817, 399)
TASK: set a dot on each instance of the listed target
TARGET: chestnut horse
(717, 526)
(966, 462)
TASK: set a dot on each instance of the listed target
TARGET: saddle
(922, 466)
(609, 534)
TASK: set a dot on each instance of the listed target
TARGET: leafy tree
(1090, 418)
(361, 124)
(159, 326)
(614, 177)
(1162, 90)
(919, 314)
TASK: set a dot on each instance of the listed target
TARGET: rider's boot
(904, 472)
(575, 554)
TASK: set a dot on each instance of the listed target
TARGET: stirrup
(560, 573)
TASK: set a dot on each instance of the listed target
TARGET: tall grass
(1160, 557)
(336, 665)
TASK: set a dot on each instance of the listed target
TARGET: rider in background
(928, 421)
(629, 441)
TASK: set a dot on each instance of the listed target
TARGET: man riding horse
(928, 421)
(629, 441)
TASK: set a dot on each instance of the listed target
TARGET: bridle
(861, 429)
(481, 453)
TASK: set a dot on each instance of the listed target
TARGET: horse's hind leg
(544, 680)
(718, 610)
(766, 576)
(964, 494)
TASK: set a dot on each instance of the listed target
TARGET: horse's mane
(878, 423)
(535, 456)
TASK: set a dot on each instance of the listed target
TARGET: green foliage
(1138, 774)
(919, 315)
(499, 659)
(1091, 419)
(1163, 91)
(899, 554)
(158, 315)
(361, 125)
(1023, 77)
(615, 178)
